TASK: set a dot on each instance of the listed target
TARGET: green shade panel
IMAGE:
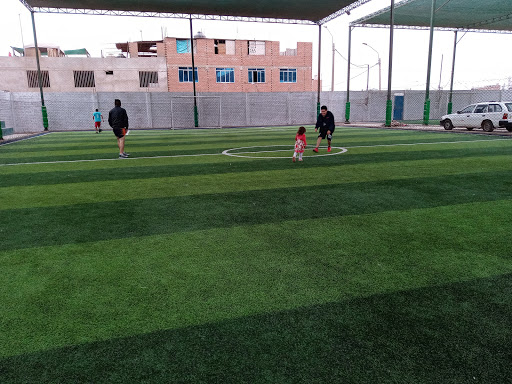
(488, 15)
(284, 9)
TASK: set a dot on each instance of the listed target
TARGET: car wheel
(470, 128)
(487, 126)
(447, 124)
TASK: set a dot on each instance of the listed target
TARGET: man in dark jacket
(325, 123)
(118, 120)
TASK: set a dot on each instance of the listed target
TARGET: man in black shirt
(118, 120)
(325, 122)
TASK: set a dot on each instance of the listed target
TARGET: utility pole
(333, 54)
(332, 77)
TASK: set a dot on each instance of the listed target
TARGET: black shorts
(323, 133)
(120, 132)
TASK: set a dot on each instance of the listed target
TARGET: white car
(487, 116)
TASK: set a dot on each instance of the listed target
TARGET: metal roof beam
(414, 27)
(346, 10)
(167, 15)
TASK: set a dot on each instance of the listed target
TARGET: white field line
(437, 142)
(224, 152)
(110, 159)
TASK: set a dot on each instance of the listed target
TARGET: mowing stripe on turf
(219, 154)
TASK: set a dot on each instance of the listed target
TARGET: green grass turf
(389, 263)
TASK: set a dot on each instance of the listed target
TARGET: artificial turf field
(388, 263)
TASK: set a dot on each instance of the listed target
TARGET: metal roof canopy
(463, 15)
(283, 11)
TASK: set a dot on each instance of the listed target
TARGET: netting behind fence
(73, 111)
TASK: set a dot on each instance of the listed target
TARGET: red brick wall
(207, 61)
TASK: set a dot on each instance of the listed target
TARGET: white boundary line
(251, 157)
(110, 159)
(437, 142)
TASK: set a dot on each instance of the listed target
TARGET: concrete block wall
(125, 77)
(73, 111)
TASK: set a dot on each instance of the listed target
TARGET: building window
(84, 79)
(185, 74)
(109, 72)
(148, 79)
(183, 46)
(33, 79)
(256, 75)
(224, 47)
(225, 75)
(256, 47)
(288, 75)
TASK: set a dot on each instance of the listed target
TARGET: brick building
(166, 66)
(238, 66)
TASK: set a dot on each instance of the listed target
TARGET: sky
(479, 59)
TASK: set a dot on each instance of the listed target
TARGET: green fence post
(426, 112)
(2, 124)
(389, 110)
(347, 112)
(45, 117)
(450, 106)
(196, 117)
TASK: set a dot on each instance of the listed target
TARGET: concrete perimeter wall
(73, 111)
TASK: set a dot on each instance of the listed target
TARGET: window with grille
(185, 74)
(256, 75)
(256, 47)
(288, 75)
(148, 79)
(225, 75)
(84, 79)
(183, 46)
(33, 79)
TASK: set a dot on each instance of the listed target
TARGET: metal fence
(73, 111)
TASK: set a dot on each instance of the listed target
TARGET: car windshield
(468, 109)
(509, 106)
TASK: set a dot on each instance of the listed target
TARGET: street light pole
(333, 53)
(378, 62)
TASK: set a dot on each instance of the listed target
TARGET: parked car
(487, 116)
(506, 121)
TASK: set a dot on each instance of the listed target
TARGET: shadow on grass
(32, 227)
(455, 333)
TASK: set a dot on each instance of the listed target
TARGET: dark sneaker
(101, 130)
(315, 150)
(123, 156)
(126, 154)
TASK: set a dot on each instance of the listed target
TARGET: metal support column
(426, 108)
(196, 115)
(319, 61)
(389, 101)
(450, 105)
(347, 105)
(40, 78)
